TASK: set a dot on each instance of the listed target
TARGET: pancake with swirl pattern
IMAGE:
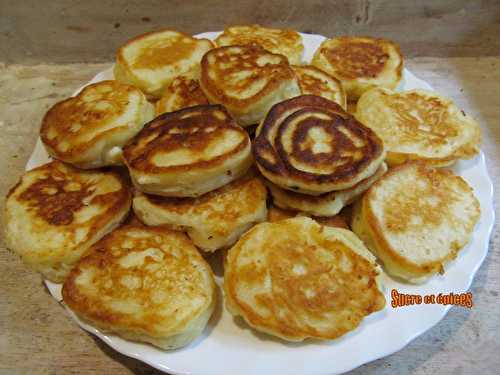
(188, 153)
(360, 63)
(56, 212)
(284, 42)
(310, 145)
(247, 80)
(296, 279)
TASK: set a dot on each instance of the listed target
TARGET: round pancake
(275, 213)
(144, 284)
(151, 61)
(327, 204)
(360, 63)
(419, 125)
(416, 219)
(247, 80)
(296, 279)
(213, 221)
(90, 129)
(183, 92)
(310, 145)
(283, 42)
(56, 212)
(188, 153)
(313, 81)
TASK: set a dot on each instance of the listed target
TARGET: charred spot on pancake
(356, 59)
(56, 200)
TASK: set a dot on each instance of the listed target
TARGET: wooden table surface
(36, 336)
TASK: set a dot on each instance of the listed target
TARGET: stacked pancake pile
(169, 140)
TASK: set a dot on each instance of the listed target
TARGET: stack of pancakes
(170, 138)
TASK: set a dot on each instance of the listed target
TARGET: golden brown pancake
(419, 125)
(416, 219)
(314, 81)
(144, 284)
(183, 92)
(326, 204)
(360, 63)
(283, 42)
(56, 212)
(310, 145)
(296, 279)
(247, 80)
(214, 220)
(152, 60)
(188, 153)
(90, 129)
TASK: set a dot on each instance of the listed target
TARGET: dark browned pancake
(188, 152)
(311, 145)
(360, 63)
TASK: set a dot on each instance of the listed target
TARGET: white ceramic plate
(230, 347)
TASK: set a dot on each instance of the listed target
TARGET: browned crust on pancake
(62, 115)
(187, 90)
(361, 56)
(377, 233)
(312, 85)
(157, 132)
(275, 74)
(53, 201)
(102, 258)
(255, 190)
(271, 42)
(287, 293)
(309, 103)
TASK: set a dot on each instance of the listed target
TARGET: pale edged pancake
(327, 204)
(416, 219)
(214, 220)
(247, 80)
(143, 284)
(183, 92)
(188, 153)
(90, 129)
(275, 213)
(309, 144)
(282, 41)
(419, 125)
(56, 212)
(297, 279)
(360, 63)
(151, 61)
(313, 81)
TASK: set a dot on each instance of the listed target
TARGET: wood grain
(36, 337)
(63, 31)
